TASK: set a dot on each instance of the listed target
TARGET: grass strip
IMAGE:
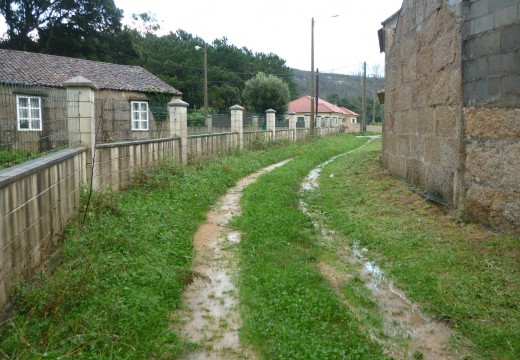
(289, 310)
(118, 278)
(458, 271)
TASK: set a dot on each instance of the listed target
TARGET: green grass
(289, 310)
(13, 157)
(458, 272)
(10, 158)
(119, 278)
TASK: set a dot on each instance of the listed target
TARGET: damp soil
(209, 315)
(409, 334)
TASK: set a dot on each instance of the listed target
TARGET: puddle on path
(209, 315)
(408, 331)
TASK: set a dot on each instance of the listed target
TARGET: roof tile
(303, 105)
(49, 70)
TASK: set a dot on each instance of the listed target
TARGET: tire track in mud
(209, 315)
(409, 332)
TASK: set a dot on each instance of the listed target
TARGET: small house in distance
(326, 113)
(33, 104)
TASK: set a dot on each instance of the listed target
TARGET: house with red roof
(335, 115)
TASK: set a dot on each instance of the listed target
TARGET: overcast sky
(283, 27)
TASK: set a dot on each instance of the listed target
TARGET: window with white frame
(139, 115)
(29, 112)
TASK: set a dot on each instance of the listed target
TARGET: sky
(283, 27)
(345, 31)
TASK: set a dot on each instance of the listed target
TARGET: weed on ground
(289, 310)
(458, 272)
(120, 274)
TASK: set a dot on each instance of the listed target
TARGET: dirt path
(210, 315)
(409, 333)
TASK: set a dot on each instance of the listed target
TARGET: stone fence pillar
(254, 122)
(292, 124)
(81, 110)
(209, 123)
(270, 120)
(307, 120)
(237, 123)
(318, 122)
(178, 111)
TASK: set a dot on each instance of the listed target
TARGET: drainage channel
(409, 333)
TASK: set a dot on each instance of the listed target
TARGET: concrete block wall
(211, 145)
(116, 164)
(36, 200)
(284, 134)
(491, 81)
(491, 59)
(422, 130)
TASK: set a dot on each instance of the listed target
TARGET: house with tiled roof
(325, 111)
(32, 96)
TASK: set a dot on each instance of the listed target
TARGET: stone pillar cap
(79, 81)
(270, 111)
(178, 102)
(292, 113)
(236, 107)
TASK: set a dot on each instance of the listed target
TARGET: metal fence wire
(254, 122)
(33, 122)
(120, 119)
(218, 122)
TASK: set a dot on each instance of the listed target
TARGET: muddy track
(209, 316)
(409, 333)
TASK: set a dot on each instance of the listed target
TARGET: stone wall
(423, 123)
(116, 164)
(36, 200)
(491, 80)
(452, 96)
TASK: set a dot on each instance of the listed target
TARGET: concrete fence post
(254, 122)
(292, 124)
(307, 120)
(178, 111)
(209, 123)
(81, 110)
(270, 120)
(318, 122)
(237, 123)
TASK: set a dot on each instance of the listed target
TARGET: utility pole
(363, 99)
(311, 125)
(205, 79)
(374, 106)
(317, 89)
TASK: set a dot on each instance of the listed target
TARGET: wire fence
(254, 122)
(120, 119)
(36, 120)
(33, 122)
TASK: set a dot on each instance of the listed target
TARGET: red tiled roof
(303, 105)
(349, 112)
(49, 70)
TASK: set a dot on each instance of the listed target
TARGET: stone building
(33, 103)
(452, 104)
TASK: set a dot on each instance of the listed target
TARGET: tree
(264, 92)
(81, 28)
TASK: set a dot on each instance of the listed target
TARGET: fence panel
(119, 119)
(33, 122)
